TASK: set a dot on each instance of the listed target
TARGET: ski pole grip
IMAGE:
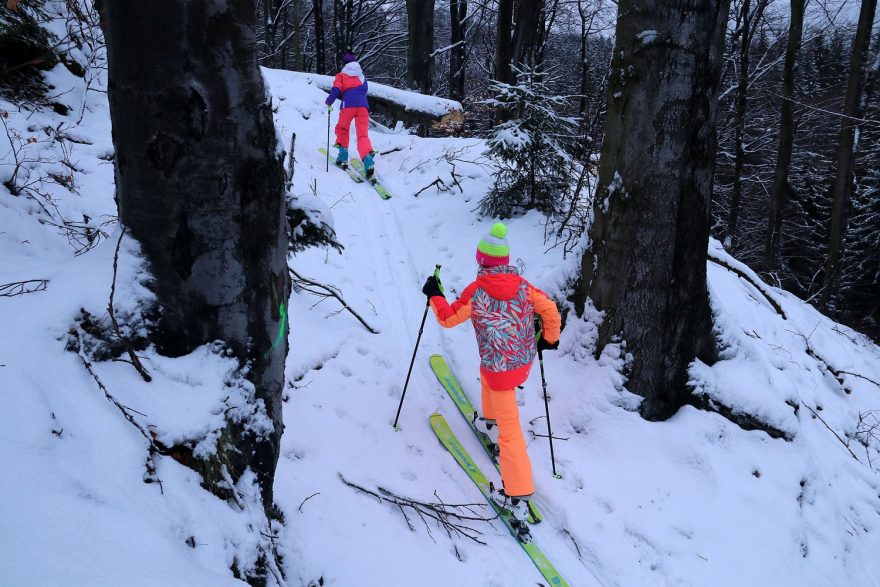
(437, 277)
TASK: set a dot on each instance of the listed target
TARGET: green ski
(452, 444)
(352, 173)
(450, 383)
(358, 166)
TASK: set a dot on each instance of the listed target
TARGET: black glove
(543, 345)
(432, 288)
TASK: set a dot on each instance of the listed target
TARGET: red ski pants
(516, 468)
(361, 118)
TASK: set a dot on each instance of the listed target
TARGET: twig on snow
(812, 411)
(125, 342)
(450, 517)
(441, 186)
(19, 288)
(300, 508)
(328, 291)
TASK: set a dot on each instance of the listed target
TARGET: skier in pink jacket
(350, 86)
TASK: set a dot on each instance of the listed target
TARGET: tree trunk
(458, 53)
(773, 242)
(503, 41)
(201, 186)
(527, 32)
(320, 51)
(852, 112)
(420, 29)
(342, 29)
(646, 264)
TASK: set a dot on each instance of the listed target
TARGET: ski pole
(416, 350)
(540, 333)
(329, 110)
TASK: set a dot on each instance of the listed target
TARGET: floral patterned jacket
(501, 306)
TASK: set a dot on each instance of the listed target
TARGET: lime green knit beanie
(493, 249)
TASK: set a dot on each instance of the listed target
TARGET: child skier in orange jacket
(501, 306)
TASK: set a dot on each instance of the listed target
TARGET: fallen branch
(19, 288)
(748, 278)
(328, 291)
(812, 411)
(449, 517)
(125, 342)
(126, 412)
(437, 182)
(300, 508)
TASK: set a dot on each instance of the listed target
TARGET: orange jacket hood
(500, 282)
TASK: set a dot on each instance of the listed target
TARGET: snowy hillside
(696, 500)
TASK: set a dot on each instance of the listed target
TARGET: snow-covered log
(402, 105)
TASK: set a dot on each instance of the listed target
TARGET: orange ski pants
(516, 468)
(361, 117)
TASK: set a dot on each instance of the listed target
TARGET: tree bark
(320, 51)
(852, 112)
(645, 267)
(420, 29)
(201, 186)
(773, 241)
(458, 53)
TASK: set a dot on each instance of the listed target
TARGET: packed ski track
(695, 500)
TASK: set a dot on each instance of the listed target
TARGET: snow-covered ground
(695, 500)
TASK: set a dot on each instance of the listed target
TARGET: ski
(383, 192)
(459, 397)
(452, 444)
(347, 169)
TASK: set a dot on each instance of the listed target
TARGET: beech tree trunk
(420, 29)
(852, 112)
(779, 196)
(646, 263)
(200, 185)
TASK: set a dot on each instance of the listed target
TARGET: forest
(235, 237)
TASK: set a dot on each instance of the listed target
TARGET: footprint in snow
(363, 351)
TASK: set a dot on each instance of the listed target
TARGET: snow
(695, 500)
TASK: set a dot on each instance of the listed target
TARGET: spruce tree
(531, 149)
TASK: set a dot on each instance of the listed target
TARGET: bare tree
(458, 51)
(852, 114)
(746, 21)
(420, 27)
(786, 135)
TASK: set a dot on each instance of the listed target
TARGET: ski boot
(489, 428)
(369, 168)
(341, 157)
(519, 511)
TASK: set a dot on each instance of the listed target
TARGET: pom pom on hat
(499, 230)
(493, 250)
